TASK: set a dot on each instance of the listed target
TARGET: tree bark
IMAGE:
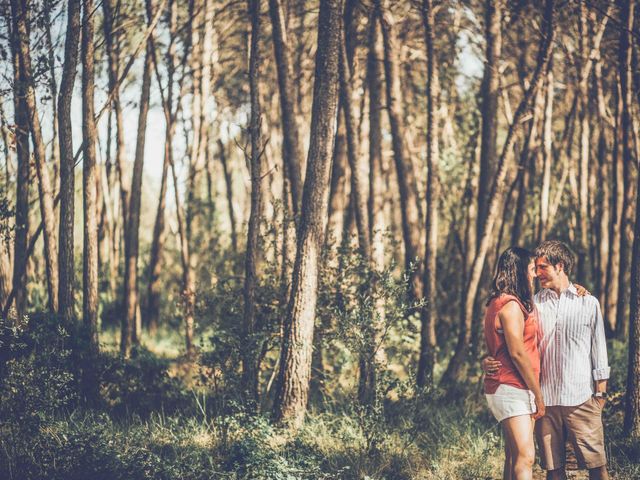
(489, 94)
(19, 10)
(613, 267)
(547, 144)
(295, 360)
(428, 313)
(130, 332)
(89, 184)
(152, 311)
(626, 236)
(89, 137)
(23, 174)
(632, 404)
(67, 163)
(112, 46)
(291, 146)
(251, 332)
(404, 169)
(229, 191)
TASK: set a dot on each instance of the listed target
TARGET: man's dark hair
(557, 252)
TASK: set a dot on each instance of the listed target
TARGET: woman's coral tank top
(497, 346)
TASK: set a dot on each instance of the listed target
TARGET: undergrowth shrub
(140, 385)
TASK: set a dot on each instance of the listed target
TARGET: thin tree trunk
(112, 36)
(404, 169)
(490, 92)
(21, 120)
(613, 270)
(337, 190)
(295, 360)
(291, 146)
(457, 361)
(370, 366)
(428, 313)
(152, 313)
(130, 333)
(547, 144)
(53, 88)
(622, 321)
(89, 183)
(67, 163)
(632, 404)
(19, 11)
(229, 190)
(252, 345)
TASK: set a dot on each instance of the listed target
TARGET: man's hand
(582, 292)
(490, 365)
(601, 401)
(540, 408)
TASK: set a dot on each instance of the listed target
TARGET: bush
(140, 385)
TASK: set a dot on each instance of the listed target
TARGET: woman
(511, 333)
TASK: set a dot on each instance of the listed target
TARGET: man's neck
(563, 285)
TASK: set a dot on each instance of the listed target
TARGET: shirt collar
(570, 289)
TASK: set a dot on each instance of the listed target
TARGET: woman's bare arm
(512, 321)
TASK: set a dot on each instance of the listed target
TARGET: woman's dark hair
(512, 277)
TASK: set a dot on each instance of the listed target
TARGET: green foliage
(38, 377)
(140, 385)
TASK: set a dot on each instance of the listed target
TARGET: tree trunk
(89, 184)
(613, 268)
(19, 10)
(295, 361)
(291, 146)
(337, 190)
(626, 235)
(229, 190)
(632, 405)
(547, 144)
(497, 196)
(489, 94)
(67, 182)
(428, 313)
(252, 342)
(112, 35)
(130, 333)
(23, 177)
(404, 169)
(152, 313)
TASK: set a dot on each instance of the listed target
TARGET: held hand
(540, 408)
(490, 365)
(582, 292)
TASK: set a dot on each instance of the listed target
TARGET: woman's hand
(540, 408)
(581, 290)
(490, 365)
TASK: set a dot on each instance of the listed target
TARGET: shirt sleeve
(599, 360)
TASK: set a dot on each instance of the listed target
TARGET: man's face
(548, 274)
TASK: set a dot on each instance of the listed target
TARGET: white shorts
(509, 401)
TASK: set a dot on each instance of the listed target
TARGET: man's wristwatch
(602, 395)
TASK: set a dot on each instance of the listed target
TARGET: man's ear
(560, 267)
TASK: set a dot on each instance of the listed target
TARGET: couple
(548, 363)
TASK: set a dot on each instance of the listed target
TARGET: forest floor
(158, 421)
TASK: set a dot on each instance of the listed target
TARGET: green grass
(206, 436)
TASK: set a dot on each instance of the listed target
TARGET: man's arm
(599, 361)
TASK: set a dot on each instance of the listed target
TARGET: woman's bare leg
(519, 434)
(507, 470)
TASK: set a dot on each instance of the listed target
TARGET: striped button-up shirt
(573, 348)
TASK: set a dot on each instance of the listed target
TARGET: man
(574, 367)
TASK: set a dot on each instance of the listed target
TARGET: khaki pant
(581, 425)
